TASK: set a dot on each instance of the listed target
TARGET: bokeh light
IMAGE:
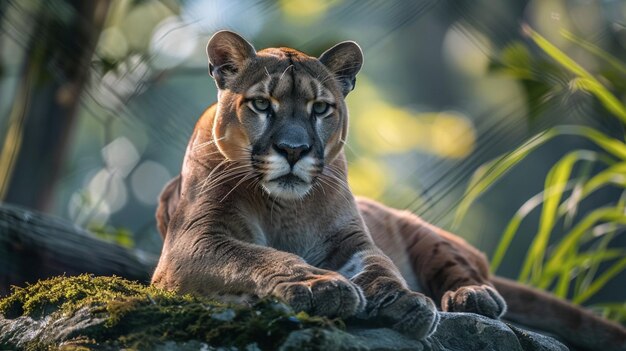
(173, 41)
(147, 181)
(304, 11)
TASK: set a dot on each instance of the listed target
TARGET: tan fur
(239, 219)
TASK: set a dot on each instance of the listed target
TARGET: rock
(468, 331)
(456, 332)
(110, 313)
(535, 341)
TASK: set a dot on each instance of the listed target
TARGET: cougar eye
(320, 107)
(261, 104)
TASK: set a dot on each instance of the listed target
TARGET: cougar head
(281, 110)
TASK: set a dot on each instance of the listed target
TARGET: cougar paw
(482, 299)
(329, 295)
(408, 312)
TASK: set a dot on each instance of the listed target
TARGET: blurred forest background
(502, 121)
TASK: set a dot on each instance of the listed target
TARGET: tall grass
(582, 261)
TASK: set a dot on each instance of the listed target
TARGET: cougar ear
(227, 52)
(344, 60)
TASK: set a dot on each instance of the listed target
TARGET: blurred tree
(59, 52)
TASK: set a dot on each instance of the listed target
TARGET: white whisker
(207, 143)
(225, 176)
(285, 71)
(246, 177)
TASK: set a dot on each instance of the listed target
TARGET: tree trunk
(36, 246)
(59, 54)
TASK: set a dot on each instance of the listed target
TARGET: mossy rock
(87, 312)
(110, 313)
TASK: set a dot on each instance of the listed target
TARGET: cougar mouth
(288, 186)
(289, 178)
(283, 180)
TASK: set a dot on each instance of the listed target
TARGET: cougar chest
(292, 230)
(299, 237)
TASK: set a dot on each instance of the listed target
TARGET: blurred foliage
(381, 130)
(86, 215)
(580, 263)
(613, 311)
(120, 236)
(306, 10)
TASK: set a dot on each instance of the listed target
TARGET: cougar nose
(292, 153)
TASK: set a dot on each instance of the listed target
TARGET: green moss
(139, 316)
(66, 294)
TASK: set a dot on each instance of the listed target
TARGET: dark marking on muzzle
(292, 142)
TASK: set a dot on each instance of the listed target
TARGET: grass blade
(556, 180)
(611, 145)
(605, 214)
(601, 281)
(590, 47)
(588, 81)
(513, 225)
(490, 173)
(599, 254)
(569, 207)
(615, 311)
(614, 175)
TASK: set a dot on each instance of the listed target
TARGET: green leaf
(606, 214)
(585, 259)
(515, 60)
(588, 81)
(569, 208)
(577, 264)
(597, 256)
(491, 172)
(556, 180)
(615, 311)
(610, 102)
(590, 47)
(601, 281)
(613, 146)
(513, 226)
(563, 283)
(614, 175)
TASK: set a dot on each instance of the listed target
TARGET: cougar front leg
(451, 270)
(215, 263)
(389, 301)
